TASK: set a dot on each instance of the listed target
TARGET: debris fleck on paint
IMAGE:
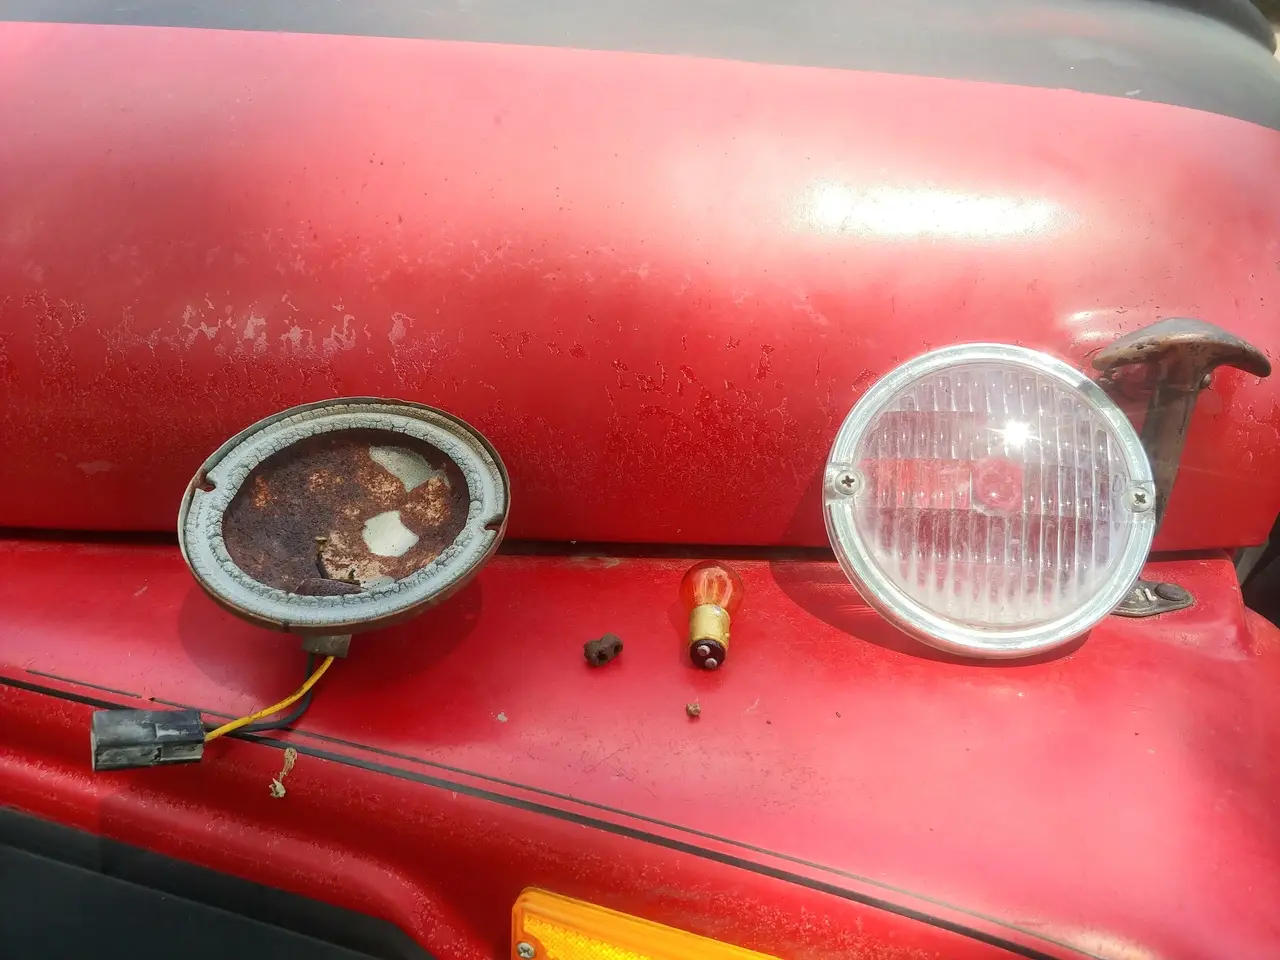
(602, 651)
(277, 784)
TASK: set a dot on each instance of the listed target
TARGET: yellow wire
(274, 708)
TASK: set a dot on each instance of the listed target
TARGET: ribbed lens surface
(993, 495)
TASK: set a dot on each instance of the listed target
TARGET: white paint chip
(387, 536)
(502, 718)
(409, 468)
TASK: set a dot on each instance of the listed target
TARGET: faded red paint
(639, 276)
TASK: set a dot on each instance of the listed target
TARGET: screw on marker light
(712, 593)
(990, 500)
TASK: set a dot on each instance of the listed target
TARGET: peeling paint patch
(340, 340)
(400, 324)
(292, 340)
(91, 467)
(762, 369)
(253, 325)
(6, 366)
(194, 330)
(387, 536)
(409, 467)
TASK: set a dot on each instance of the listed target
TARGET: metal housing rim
(908, 614)
(200, 516)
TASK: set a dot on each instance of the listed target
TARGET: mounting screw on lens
(845, 481)
(1139, 499)
(526, 951)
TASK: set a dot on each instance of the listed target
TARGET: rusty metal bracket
(1149, 598)
(336, 645)
(1180, 355)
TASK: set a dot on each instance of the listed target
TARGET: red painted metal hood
(656, 283)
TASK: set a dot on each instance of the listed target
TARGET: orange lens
(549, 927)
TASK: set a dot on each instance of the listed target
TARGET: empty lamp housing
(342, 516)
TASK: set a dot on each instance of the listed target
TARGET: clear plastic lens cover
(990, 499)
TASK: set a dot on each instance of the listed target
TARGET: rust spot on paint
(335, 513)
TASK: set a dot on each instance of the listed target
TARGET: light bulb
(712, 593)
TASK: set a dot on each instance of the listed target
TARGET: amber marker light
(550, 927)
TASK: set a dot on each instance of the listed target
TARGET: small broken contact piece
(602, 651)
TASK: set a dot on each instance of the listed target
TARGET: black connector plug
(146, 738)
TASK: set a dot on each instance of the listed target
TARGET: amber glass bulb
(712, 593)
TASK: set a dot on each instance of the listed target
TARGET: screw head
(1139, 499)
(846, 481)
(526, 951)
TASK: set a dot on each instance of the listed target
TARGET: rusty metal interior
(301, 520)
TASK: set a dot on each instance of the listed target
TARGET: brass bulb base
(708, 635)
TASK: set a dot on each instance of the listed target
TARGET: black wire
(288, 720)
